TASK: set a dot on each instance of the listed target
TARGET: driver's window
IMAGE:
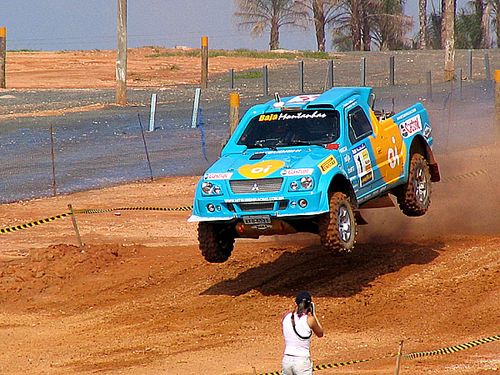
(359, 125)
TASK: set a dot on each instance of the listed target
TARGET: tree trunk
(443, 23)
(485, 26)
(355, 26)
(498, 22)
(274, 42)
(367, 38)
(449, 44)
(422, 16)
(319, 23)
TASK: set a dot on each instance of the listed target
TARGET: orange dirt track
(140, 299)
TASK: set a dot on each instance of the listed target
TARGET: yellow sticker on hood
(327, 164)
(261, 169)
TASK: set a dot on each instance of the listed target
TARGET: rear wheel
(414, 197)
(216, 241)
(337, 229)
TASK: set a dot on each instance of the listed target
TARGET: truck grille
(256, 206)
(262, 185)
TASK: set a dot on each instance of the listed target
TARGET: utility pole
(449, 43)
(121, 60)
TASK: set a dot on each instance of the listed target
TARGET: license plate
(257, 219)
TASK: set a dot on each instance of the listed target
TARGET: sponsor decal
(343, 149)
(393, 155)
(413, 110)
(363, 164)
(350, 169)
(347, 158)
(261, 169)
(292, 151)
(297, 172)
(302, 99)
(427, 131)
(245, 200)
(291, 116)
(327, 164)
(349, 104)
(411, 126)
(218, 176)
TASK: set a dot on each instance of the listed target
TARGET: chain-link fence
(43, 156)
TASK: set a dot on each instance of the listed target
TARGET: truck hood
(257, 163)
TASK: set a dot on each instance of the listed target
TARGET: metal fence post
(391, 70)
(152, 113)
(3, 54)
(196, 108)
(362, 69)
(265, 80)
(301, 76)
(470, 64)
(231, 78)
(487, 70)
(429, 85)
(330, 78)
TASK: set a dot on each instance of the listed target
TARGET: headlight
(294, 185)
(209, 188)
(306, 182)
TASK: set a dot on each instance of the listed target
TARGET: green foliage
(291, 55)
(468, 31)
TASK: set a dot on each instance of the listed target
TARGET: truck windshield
(291, 129)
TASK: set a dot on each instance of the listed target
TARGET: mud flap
(360, 220)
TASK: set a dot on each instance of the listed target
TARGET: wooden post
(398, 358)
(121, 60)
(75, 226)
(3, 54)
(204, 62)
(234, 111)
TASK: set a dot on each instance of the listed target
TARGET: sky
(91, 24)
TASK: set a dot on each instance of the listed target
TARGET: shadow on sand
(324, 274)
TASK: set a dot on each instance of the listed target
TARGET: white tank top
(294, 345)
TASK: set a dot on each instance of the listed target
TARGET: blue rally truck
(310, 163)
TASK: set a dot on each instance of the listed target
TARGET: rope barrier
(414, 355)
(33, 223)
(91, 211)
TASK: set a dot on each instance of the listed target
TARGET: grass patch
(243, 53)
(249, 74)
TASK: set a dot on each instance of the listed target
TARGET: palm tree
(324, 13)
(390, 24)
(262, 15)
(422, 17)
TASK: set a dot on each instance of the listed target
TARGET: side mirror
(371, 100)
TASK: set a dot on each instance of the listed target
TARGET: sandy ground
(138, 298)
(96, 69)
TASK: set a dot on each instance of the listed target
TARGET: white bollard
(152, 113)
(196, 108)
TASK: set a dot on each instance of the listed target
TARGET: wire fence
(44, 156)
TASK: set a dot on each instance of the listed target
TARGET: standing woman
(298, 327)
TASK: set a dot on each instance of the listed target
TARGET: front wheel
(414, 197)
(216, 241)
(337, 229)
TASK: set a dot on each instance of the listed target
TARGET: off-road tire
(216, 241)
(337, 228)
(414, 197)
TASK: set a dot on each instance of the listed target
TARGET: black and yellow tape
(33, 223)
(452, 349)
(414, 355)
(105, 210)
(90, 211)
